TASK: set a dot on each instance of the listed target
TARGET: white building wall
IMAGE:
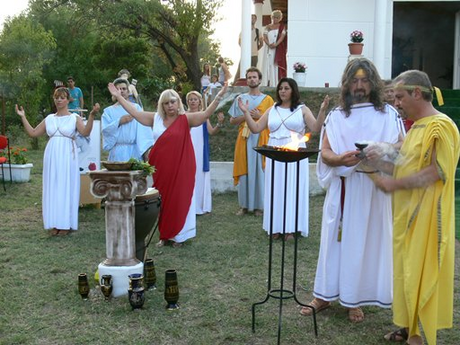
(319, 33)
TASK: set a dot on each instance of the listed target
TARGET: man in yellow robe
(248, 165)
(424, 214)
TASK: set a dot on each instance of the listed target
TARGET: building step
(450, 93)
(451, 105)
(452, 112)
(450, 102)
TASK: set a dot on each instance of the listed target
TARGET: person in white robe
(123, 136)
(274, 63)
(355, 258)
(286, 118)
(200, 141)
(61, 175)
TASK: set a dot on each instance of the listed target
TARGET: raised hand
(96, 108)
(113, 90)
(224, 89)
(325, 103)
(244, 107)
(20, 111)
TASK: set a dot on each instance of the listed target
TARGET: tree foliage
(87, 52)
(175, 28)
(163, 43)
(26, 49)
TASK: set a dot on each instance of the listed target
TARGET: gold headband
(360, 73)
(436, 90)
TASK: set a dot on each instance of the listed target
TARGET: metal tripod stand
(282, 293)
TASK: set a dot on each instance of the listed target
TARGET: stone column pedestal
(120, 189)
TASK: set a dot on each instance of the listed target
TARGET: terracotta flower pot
(355, 48)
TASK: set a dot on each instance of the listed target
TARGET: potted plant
(20, 168)
(300, 74)
(356, 45)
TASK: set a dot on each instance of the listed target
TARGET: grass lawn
(221, 273)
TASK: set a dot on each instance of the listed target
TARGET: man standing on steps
(248, 167)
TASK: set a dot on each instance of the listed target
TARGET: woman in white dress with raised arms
(287, 116)
(61, 174)
(200, 141)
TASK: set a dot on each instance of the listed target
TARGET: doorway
(424, 38)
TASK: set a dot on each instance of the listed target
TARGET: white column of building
(245, 36)
(380, 19)
(258, 6)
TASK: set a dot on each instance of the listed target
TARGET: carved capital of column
(118, 185)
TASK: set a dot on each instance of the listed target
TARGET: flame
(295, 141)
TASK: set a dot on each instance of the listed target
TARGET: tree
(25, 49)
(175, 28)
(88, 51)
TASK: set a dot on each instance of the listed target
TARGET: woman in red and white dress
(173, 157)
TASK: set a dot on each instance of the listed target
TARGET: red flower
(17, 155)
